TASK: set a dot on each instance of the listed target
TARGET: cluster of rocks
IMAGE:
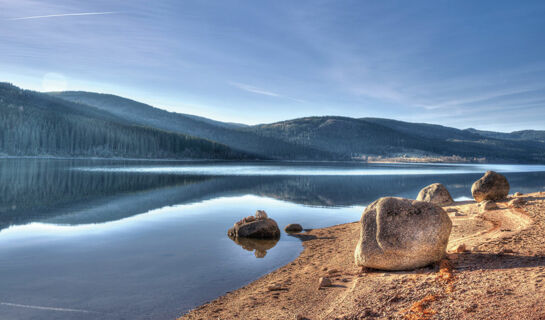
(396, 233)
(260, 226)
(403, 234)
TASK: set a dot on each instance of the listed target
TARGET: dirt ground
(500, 276)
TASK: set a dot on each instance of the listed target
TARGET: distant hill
(110, 125)
(531, 135)
(37, 124)
(390, 138)
(235, 135)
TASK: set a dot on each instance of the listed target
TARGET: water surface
(137, 240)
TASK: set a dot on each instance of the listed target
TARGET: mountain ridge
(318, 137)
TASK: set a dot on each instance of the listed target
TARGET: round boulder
(492, 186)
(435, 193)
(293, 227)
(254, 228)
(402, 234)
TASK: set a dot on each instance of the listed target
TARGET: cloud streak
(64, 15)
(260, 91)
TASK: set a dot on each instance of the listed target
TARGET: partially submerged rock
(487, 205)
(435, 193)
(293, 227)
(518, 194)
(250, 227)
(492, 186)
(401, 234)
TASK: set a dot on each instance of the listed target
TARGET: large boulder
(258, 226)
(402, 234)
(492, 186)
(435, 193)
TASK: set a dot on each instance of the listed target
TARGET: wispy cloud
(64, 15)
(253, 89)
(260, 91)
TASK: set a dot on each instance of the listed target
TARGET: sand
(501, 276)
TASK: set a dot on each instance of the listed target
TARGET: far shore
(394, 160)
(501, 275)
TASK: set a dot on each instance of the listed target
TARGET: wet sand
(500, 276)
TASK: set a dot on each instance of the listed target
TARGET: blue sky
(457, 63)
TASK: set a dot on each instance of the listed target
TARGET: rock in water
(260, 229)
(435, 193)
(492, 186)
(402, 234)
(293, 227)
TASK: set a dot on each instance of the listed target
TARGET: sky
(460, 63)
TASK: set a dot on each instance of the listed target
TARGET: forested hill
(311, 138)
(38, 124)
(535, 135)
(390, 138)
(237, 136)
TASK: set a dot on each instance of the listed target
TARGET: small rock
(324, 282)
(260, 215)
(504, 251)
(451, 210)
(487, 205)
(293, 227)
(333, 271)
(517, 202)
(275, 287)
(249, 219)
(518, 194)
(458, 214)
(471, 308)
(461, 248)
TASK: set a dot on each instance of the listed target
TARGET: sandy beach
(501, 275)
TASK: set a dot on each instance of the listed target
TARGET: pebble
(324, 282)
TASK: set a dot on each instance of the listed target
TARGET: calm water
(140, 240)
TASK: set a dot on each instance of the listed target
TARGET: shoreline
(502, 275)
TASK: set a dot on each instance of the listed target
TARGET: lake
(98, 239)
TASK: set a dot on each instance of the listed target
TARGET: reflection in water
(54, 191)
(131, 244)
(259, 245)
